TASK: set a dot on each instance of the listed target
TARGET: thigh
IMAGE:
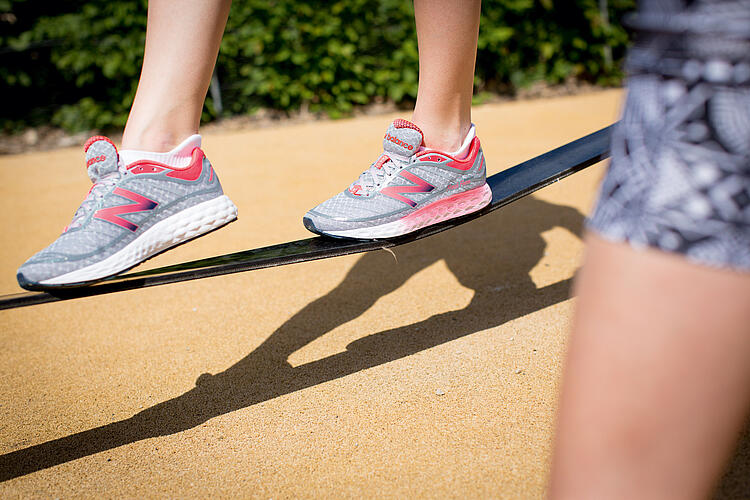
(657, 378)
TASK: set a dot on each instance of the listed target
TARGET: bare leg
(447, 32)
(657, 378)
(182, 41)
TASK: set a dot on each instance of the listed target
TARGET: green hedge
(75, 65)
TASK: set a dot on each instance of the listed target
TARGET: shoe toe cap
(319, 223)
(25, 282)
(309, 224)
(30, 275)
(38, 269)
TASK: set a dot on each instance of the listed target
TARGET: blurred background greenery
(75, 64)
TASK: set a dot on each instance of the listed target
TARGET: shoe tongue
(403, 138)
(101, 157)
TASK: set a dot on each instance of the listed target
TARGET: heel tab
(92, 140)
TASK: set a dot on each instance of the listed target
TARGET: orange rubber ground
(428, 375)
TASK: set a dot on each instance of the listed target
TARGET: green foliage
(76, 65)
(329, 56)
(69, 63)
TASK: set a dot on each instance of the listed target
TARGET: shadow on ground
(492, 256)
(735, 483)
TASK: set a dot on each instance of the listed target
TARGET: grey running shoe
(131, 213)
(409, 187)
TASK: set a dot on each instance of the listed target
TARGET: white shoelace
(375, 176)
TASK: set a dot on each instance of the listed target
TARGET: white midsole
(175, 229)
(387, 230)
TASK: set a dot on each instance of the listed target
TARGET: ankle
(158, 131)
(157, 141)
(441, 136)
(178, 156)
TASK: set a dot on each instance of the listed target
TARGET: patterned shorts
(679, 179)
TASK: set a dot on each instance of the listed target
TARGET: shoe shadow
(492, 256)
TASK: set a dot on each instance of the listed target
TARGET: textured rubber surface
(448, 208)
(182, 226)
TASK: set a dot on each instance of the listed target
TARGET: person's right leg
(447, 32)
(657, 378)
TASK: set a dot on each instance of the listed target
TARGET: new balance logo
(112, 214)
(397, 141)
(95, 159)
(397, 192)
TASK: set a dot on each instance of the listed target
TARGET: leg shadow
(491, 255)
(735, 483)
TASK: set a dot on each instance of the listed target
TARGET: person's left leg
(182, 41)
(433, 169)
(159, 190)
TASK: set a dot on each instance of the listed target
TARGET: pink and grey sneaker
(409, 187)
(133, 211)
